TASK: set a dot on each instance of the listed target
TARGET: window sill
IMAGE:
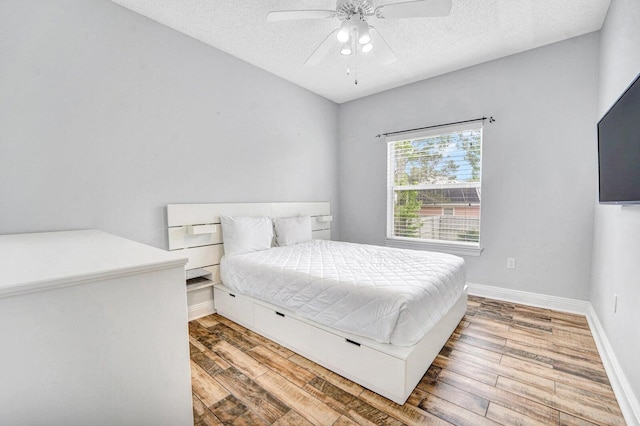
(451, 248)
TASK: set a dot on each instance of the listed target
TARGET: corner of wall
(627, 399)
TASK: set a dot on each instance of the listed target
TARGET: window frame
(453, 247)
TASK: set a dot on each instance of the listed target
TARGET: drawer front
(285, 330)
(232, 306)
(360, 363)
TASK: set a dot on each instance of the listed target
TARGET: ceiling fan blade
(321, 51)
(380, 47)
(414, 9)
(290, 15)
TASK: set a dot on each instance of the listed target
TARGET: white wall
(539, 161)
(106, 116)
(616, 251)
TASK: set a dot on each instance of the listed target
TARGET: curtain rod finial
(491, 119)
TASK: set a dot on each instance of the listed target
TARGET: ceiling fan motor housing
(347, 8)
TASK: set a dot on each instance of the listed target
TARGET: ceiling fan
(355, 32)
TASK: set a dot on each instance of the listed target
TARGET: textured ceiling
(476, 31)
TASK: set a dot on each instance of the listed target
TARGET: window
(434, 188)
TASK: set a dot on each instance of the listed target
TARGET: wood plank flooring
(506, 364)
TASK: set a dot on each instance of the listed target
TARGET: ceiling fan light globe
(364, 37)
(343, 33)
(345, 49)
(367, 48)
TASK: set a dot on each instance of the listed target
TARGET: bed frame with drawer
(391, 371)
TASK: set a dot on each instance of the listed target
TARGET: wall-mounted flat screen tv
(619, 149)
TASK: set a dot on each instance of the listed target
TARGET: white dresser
(93, 331)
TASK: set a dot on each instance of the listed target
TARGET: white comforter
(386, 294)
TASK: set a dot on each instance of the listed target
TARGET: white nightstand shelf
(198, 283)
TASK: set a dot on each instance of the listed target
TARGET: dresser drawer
(235, 307)
(283, 329)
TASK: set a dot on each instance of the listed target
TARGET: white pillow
(246, 234)
(292, 230)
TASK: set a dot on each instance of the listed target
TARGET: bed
(392, 296)
(376, 315)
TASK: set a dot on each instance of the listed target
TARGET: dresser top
(34, 262)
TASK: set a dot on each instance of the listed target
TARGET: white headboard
(195, 229)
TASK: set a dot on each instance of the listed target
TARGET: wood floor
(505, 364)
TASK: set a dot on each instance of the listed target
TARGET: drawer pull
(352, 342)
(280, 314)
(232, 295)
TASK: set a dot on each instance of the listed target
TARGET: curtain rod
(491, 120)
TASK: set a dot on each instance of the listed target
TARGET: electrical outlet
(511, 263)
(615, 303)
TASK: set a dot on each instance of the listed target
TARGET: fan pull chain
(356, 76)
(355, 65)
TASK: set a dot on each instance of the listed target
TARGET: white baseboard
(532, 299)
(200, 310)
(627, 399)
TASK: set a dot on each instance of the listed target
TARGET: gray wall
(106, 116)
(616, 252)
(539, 161)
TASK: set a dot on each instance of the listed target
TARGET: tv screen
(619, 149)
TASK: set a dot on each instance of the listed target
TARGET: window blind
(434, 184)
